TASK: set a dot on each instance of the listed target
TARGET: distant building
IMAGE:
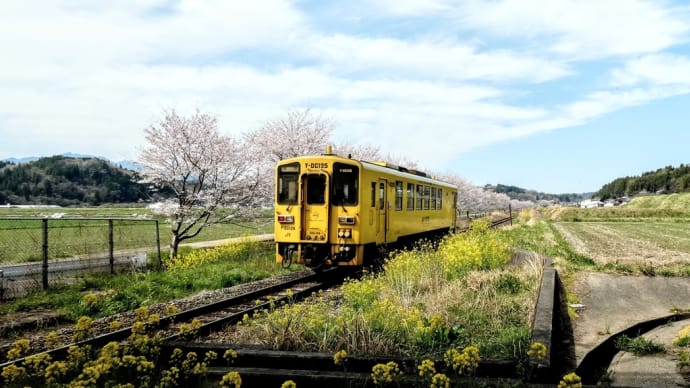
(590, 203)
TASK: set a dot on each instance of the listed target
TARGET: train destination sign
(315, 165)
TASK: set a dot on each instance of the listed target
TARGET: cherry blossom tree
(207, 171)
(301, 132)
(357, 151)
(475, 199)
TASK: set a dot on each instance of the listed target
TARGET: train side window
(439, 199)
(373, 194)
(420, 195)
(426, 197)
(410, 196)
(398, 195)
(382, 195)
(433, 198)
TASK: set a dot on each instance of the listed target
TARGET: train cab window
(439, 199)
(373, 194)
(398, 195)
(410, 196)
(287, 184)
(433, 198)
(426, 197)
(316, 189)
(419, 197)
(345, 184)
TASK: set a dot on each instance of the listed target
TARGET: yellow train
(336, 211)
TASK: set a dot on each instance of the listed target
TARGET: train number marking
(286, 227)
(312, 165)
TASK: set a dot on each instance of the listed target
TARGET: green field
(649, 235)
(84, 231)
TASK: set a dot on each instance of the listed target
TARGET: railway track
(172, 330)
(209, 317)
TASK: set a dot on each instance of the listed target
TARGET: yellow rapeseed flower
(440, 380)
(340, 357)
(571, 380)
(231, 380)
(537, 351)
(426, 369)
(289, 384)
(19, 348)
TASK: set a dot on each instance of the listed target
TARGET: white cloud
(428, 58)
(581, 28)
(659, 69)
(410, 7)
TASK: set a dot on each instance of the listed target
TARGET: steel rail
(123, 333)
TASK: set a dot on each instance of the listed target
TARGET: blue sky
(557, 96)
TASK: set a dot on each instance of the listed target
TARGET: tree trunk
(174, 245)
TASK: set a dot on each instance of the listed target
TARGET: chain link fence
(39, 253)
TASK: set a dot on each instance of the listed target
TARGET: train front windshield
(345, 184)
(287, 184)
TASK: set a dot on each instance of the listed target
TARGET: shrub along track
(212, 316)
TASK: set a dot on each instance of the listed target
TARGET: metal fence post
(44, 271)
(2, 285)
(111, 244)
(158, 245)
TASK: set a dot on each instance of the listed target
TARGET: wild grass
(217, 268)
(639, 346)
(427, 300)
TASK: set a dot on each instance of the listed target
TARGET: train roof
(380, 166)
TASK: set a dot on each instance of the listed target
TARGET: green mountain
(665, 180)
(521, 194)
(63, 180)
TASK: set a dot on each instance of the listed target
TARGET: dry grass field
(654, 243)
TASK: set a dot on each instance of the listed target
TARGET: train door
(382, 210)
(315, 210)
(454, 207)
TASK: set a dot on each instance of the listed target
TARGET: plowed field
(657, 244)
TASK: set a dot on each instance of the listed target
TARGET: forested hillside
(521, 194)
(60, 180)
(665, 180)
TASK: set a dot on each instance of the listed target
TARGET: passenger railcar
(337, 211)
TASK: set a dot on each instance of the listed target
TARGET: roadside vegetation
(98, 296)
(427, 300)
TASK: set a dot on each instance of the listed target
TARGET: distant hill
(521, 194)
(665, 180)
(63, 180)
(127, 164)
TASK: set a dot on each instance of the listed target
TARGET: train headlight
(341, 234)
(347, 233)
(286, 219)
